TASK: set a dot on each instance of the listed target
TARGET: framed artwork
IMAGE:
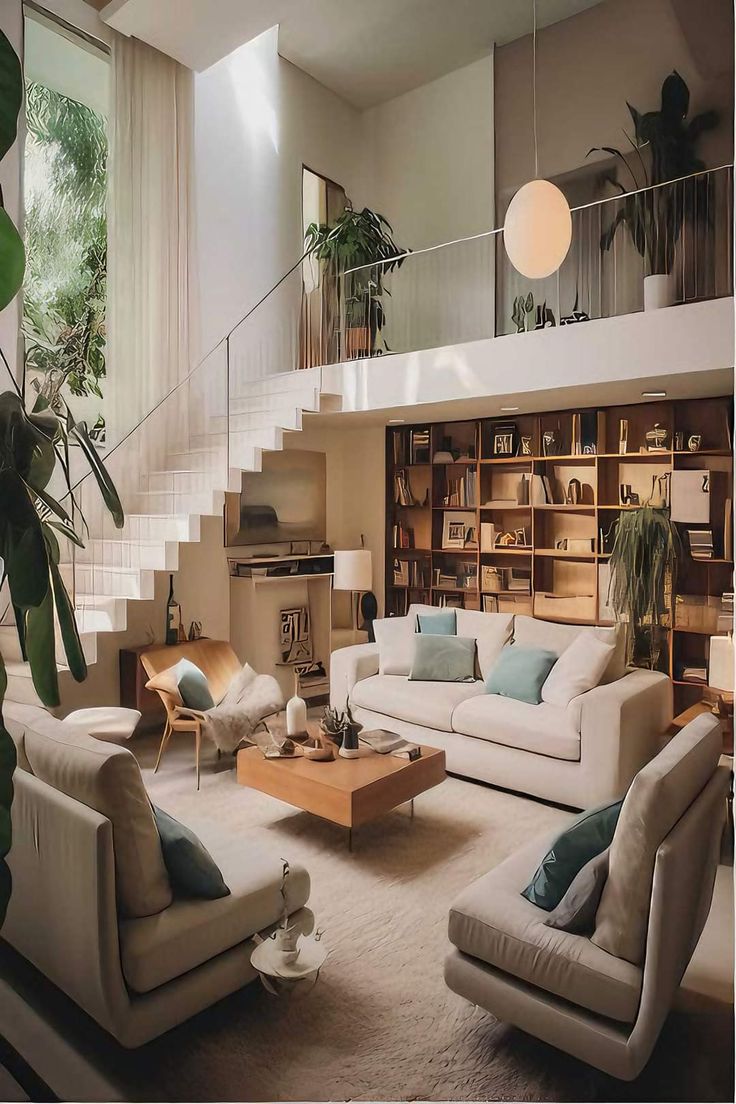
(454, 532)
(526, 446)
(505, 439)
(294, 635)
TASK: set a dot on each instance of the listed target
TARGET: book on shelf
(419, 446)
(401, 573)
(462, 490)
(402, 490)
(399, 448)
(700, 542)
(403, 536)
(449, 601)
(694, 673)
(411, 573)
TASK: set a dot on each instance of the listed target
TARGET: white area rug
(381, 1025)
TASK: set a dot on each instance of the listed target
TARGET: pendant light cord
(534, 86)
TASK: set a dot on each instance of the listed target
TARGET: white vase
(296, 716)
(659, 291)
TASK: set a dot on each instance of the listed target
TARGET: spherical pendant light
(538, 229)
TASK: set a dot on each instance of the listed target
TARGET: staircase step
(114, 582)
(269, 438)
(97, 613)
(204, 503)
(279, 383)
(197, 459)
(245, 456)
(180, 528)
(151, 555)
(180, 480)
(244, 416)
(302, 398)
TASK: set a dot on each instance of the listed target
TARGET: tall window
(64, 295)
(323, 201)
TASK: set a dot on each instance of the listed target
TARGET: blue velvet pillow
(588, 835)
(192, 870)
(520, 673)
(193, 685)
(438, 624)
(440, 658)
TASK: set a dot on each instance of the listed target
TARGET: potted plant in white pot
(663, 149)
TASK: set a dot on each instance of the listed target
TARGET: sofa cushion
(443, 623)
(534, 633)
(423, 703)
(544, 729)
(491, 921)
(440, 658)
(156, 949)
(192, 870)
(659, 795)
(590, 833)
(579, 669)
(520, 673)
(395, 639)
(107, 778)
(491, 632)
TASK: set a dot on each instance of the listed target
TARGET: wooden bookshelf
(479, 487)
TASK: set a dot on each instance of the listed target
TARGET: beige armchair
(566, 989)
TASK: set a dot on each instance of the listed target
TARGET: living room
(368, 550)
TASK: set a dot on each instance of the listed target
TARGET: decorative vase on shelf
(659, 291)
(173, 615)
(296, 712)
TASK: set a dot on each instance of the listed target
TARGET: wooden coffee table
(349, 792)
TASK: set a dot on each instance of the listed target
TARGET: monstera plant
(34, 460)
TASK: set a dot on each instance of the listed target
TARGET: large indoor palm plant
(34, 461)
(357, 239)
(663, 148)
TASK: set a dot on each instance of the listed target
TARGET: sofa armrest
(348, 666)
(622, 726)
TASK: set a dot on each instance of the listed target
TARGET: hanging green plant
(644, 556)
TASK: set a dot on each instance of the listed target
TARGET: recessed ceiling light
(508, 409)
(396, 421)
(654, 394)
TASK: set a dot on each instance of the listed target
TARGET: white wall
(430, 157)
(258, 119)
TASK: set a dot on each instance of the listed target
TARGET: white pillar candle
(296, 716)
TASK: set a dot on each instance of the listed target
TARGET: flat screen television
(287, 501)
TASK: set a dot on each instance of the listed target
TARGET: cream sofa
(579, 756)
(572, 990)
(91, 905)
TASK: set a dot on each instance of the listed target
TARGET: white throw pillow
(491, 632)
(555, 636)
(579, 669)
(394, 637)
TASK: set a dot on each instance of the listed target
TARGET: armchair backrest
(215, 658)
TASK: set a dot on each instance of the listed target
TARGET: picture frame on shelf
(505, 440)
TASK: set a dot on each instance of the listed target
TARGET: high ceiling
(367, 51)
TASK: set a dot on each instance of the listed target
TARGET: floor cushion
(424, 703)
(156, 949)
(491, 921)
(544, 729)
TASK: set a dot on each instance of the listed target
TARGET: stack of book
(402, 490)
(701, 543)
(411, 573)
(519, 580)
(419, 446)
(399, 447)
(401, 573)
(694, 673)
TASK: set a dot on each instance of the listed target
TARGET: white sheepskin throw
(248, 699)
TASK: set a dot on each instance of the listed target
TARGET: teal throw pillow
(192, 870)
(443, 658)
(193, 686)
(588, 835)
(520, 673)
(439, 624)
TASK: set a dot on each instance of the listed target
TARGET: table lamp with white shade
(721, 679)
(353, 571)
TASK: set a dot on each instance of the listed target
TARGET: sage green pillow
(441, 624)
(192, 870)
(590, 833)
(520, 673)
(193, 685)
(443, 658)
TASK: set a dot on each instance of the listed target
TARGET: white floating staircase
(118, 566)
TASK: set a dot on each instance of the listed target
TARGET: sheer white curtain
(149, 236)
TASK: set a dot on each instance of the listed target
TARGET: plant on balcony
(34, 456)
(643, 559)
(358, 238)
(663, 149)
